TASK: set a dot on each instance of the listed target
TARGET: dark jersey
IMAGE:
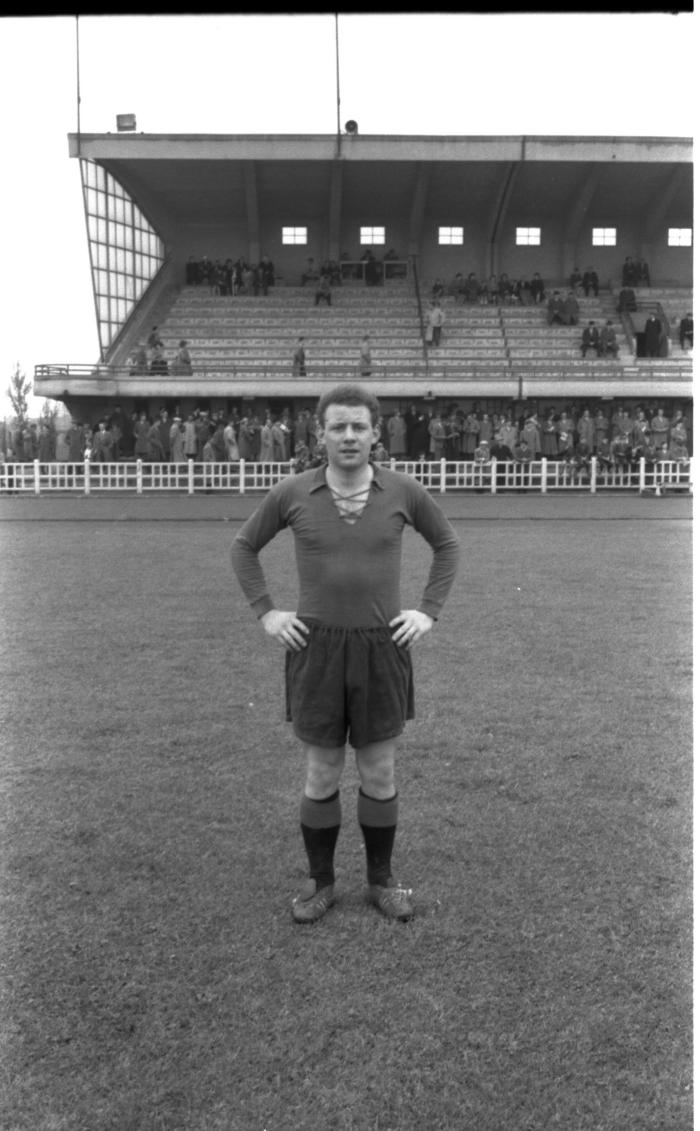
(349, 574)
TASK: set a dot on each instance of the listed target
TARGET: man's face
(347, 434)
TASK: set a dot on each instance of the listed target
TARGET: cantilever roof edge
(377, 147)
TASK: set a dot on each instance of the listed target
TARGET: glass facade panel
(115, 226)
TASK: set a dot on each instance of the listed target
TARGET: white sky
(574, 74)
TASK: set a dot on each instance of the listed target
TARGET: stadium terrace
(212, 256)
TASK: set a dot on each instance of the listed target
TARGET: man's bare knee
(323, 770)
(375, 765)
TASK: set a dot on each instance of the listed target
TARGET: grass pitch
(153, 979)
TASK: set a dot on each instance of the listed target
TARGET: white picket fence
(243, 477)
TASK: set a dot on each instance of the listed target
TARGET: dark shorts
(349, 684)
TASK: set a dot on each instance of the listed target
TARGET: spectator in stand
(660, 427)
(492, 290)
(202, 429)
(626, 300)
(556, 310)
(159, 362)
(571, 310)
(473, 288)
(531, 435)
(506, 437)
(686, 330)
(373, 270)
(643, 273)
(365, 358)
(641, 429)
(621, 449)
(278, 446)
(678, 442)
(601, 426)
(182, 364)
(436, 321)
(155, 444)
(608, 341)
(47, 443)
(485, 428)
(653, 334)
(522, 292)
(266, 269)
(310, 273)
(590, 339)
(142, 427)
(549, 435)
(470, 435)
(62, 449)
(630, 276)
(576, 281)
(438, 290)
(565, 441)
(585, 430)
(177, 441)
(438, 437)
(153, 340)
(323, 290)
(189, 440)
(622, 422)
(299, 360)
(505, 289)
(537, 288)
(590, 282)
(457, 288)
(396, 429)
(138, 361)
(191, 272)
(102, 444)
(231, 442)
(266, 446)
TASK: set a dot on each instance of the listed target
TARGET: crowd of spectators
(456, 434)
(229, 277)
(635, 273)
(150, 357)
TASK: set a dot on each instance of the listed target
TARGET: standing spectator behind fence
(177, 441)
(396, 429)
(660, 426)
(686, 330)
(678, 443)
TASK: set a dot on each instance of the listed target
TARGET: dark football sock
(378, 820)
(320, 825)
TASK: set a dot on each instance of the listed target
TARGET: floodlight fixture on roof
(126, 122)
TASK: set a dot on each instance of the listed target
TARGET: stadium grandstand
(178, 226)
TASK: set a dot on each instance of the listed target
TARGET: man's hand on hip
(286, 627)
(410, 625)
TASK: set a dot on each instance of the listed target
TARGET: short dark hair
(349, 395)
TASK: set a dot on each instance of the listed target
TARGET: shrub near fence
(243, 477)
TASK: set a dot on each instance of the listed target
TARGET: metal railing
(245, 477)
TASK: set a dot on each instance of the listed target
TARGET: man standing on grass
(348, 670)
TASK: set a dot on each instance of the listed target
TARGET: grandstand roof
(204, 173)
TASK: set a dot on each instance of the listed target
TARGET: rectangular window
(450, 236)
(294, 235)
(372, 235)
(604, 237)
(528, 237)
(680, 237)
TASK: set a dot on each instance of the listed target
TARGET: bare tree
(19, 392)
